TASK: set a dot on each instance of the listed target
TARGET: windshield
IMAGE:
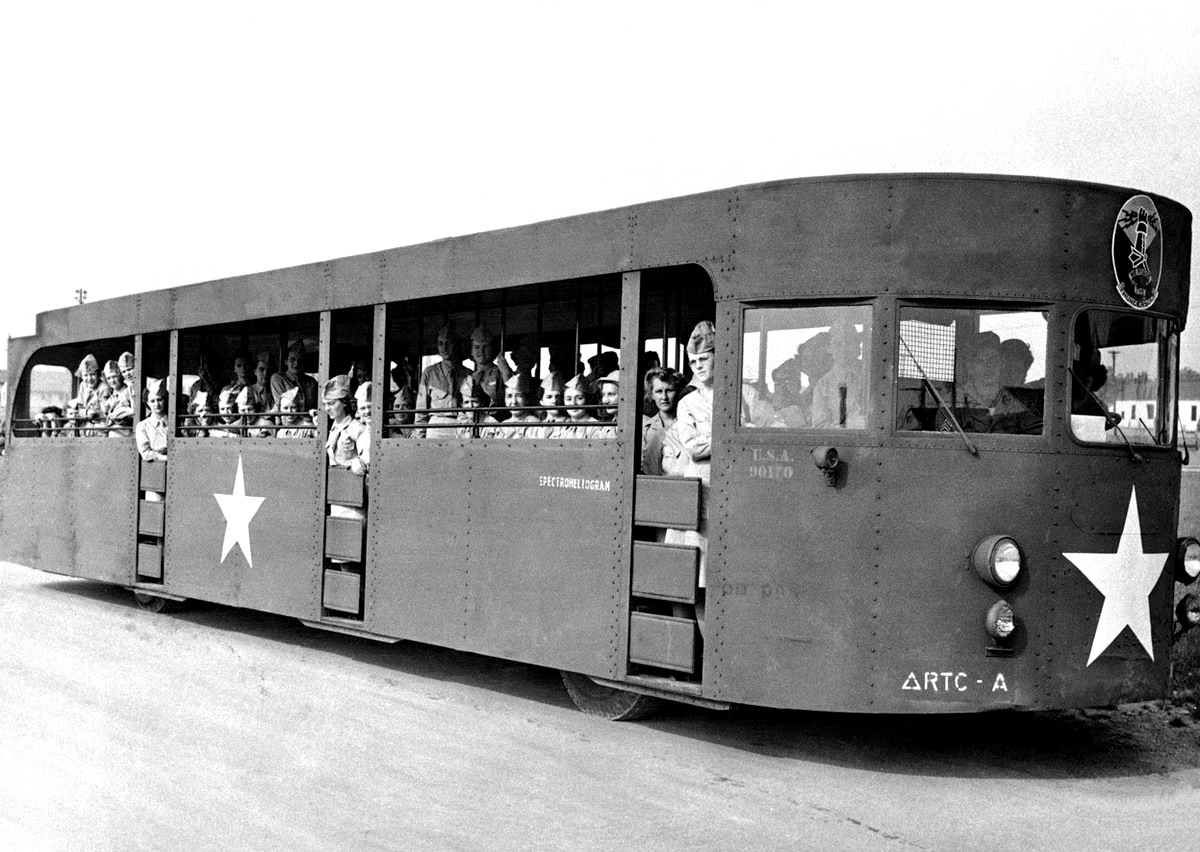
(971, 370)
(1123, 378)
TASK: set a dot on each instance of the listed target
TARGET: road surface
(217, 728)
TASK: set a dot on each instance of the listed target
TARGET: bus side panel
(544, 586)
(278, 504)
(790, 597)
(69, 506)
(416, 578)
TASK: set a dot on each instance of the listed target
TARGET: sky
(149, 145)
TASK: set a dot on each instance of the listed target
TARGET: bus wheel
(153, 603)
(617, 705)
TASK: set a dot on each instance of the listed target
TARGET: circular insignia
(1137, 252)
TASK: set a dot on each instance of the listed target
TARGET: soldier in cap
(243, 372)
(293, 376)
(88, 406)
(362, 405)
(203, 409)
(552, 400)
(576, 393)
(254, 423)
(610, 394)
(127, 366)
(489, 375)
(118, 408)
(50, 421)
(662, 389)
(517, 391)
(294, 417)
(151, 433)
(473, 397)
(260, 388)
(439, 385)
(692, 439)
(344, 431)
(839, 397)
(228, 424)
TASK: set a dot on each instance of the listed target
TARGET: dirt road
(219, 728)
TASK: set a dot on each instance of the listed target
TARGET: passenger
(438, 388)
(691, 439)
(242, 373)
(552, 400)
(294, 376)
(360, 370)
(203, 409)
(1015, 360)
(254, 424)
(206, 381)
(610, 395)
(839, 396)
(152, 432)
(118, 408)
(576, 394)
(473, 397)
(293, 417)
(519, 424)
(50, 420)
(128, 368)
(362, 404)
(228, 424)
(261, 388)
(489, 376)
(344, 431)
(662, 389)
(88, 407)
(524, 356)
(1019, 408)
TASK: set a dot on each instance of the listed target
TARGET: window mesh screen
(933, 347)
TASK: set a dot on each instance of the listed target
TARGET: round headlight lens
(1189, 560)
(997, 560)
(1006, 561)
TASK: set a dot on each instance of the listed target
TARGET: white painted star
(238, 510)
(1125, 578)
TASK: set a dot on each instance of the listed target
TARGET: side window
(806, 367)
(504, 363)
(77, 391)
(971, 369)
(1122, 374)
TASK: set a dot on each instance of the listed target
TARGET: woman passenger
(229, 422)
(293, 417)
(517, 391)
(203, 410)
(662, 391)
(362, 402)
(88, 407)
(118, 408)
(295, 377)
(576, 394)
(247, 405)
(152, 432)
(552, 400)
(473, 397)
(127, 366)
(260, 389)
(692, 439)
(344, 431)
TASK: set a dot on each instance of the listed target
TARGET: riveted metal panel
(70, 506)
(149, 560)
(557, 603)
(355, 280)
(344, 539)
(665, 571)
(282, 571)
(667, 502)
(345, 487)
(150, 518)
(154, 476)
(341, 592)
(662, 641)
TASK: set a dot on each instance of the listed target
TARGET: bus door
(666, 599)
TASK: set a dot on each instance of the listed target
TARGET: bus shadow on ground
(1129, 741)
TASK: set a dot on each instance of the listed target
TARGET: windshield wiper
(1110, 417)
(941, 402)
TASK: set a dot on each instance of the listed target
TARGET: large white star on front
(238, 510)
(1125, 578)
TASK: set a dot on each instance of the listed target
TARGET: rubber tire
(616, 705)
(153, 603)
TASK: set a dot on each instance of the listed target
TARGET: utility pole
(81, 295)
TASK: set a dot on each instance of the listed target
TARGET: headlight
(1000, 621)
(1188, 611)
(997, 559)
(1187, 563)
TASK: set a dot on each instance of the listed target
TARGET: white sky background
(148, 145)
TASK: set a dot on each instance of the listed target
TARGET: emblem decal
(1125, 578)
(238, 510)
(1137, 252)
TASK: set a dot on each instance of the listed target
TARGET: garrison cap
(580, 383)
(291, 395)
(703, 338)
(613, 378)
(553, 383)
(245, 400)
(520, 382)
(363, 394)
(338, 388)
(89, 362)
(125, 361)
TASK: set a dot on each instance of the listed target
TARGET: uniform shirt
(281, 383)
(152, 438)
(652, 445)
(566, 430)
(438, 389)
(342, 445)
(118, 410)
(90, 405)
(494, 428)
(304, 429)
(693, 425)
(491, 380)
